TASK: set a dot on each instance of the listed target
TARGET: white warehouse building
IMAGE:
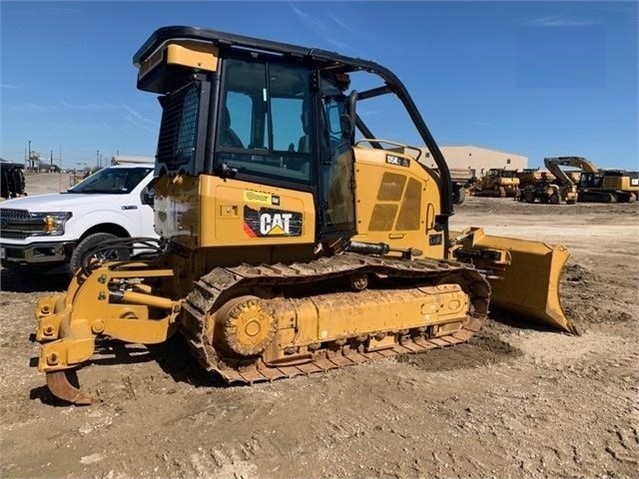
(476, 159)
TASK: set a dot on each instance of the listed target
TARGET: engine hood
(63, 202)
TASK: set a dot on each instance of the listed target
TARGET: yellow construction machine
(609, 186)
(497, 182)
(595, 185)
(546, 187)
(533, 176)
(288, 245)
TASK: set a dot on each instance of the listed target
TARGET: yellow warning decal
(252, 196)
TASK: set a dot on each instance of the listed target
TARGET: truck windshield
(112, 181)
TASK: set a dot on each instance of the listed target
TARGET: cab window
(264, 121)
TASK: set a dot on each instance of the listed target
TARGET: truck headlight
(52, 223)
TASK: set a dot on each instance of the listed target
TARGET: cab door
(337, 183)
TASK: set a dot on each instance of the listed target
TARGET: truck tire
(459, 195)
(554, 199)
(529, 196)
(90, 242)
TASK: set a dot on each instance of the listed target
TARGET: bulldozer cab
(502, 173)
(502, 176)
(274, 118)
(274, 128)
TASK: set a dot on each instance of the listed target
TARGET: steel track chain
(222, 284)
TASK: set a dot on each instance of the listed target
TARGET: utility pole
(51, 159)
(97, 158)
(61, 168)
(30, 160)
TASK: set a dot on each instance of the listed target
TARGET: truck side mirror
(148, 196)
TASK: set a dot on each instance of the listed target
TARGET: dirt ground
(513, 402)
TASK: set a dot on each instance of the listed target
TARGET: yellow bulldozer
(497, 182)
(289, 246)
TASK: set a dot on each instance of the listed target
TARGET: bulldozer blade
(525, 279)
(60, 387)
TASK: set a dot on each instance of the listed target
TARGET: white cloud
(317, 26)
(341, 23)
(33, 107)
(560, 21)
(129, 114)
(100, 127)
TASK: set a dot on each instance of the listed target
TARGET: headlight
(52, 224)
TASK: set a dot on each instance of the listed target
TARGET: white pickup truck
(51, 233)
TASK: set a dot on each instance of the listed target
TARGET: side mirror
(148, 196)
(351, 110)
(347, 126)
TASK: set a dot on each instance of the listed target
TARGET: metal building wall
(477, 158)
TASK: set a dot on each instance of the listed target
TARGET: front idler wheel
(243, 327)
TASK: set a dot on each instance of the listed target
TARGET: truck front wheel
(459, 194)
(91, 242)
(529, 196)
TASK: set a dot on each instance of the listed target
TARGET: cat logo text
(271, 222)
(276, 224)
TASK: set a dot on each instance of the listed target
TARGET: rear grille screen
(179, 127)
(410, 214)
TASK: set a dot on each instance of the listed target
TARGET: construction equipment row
(584, 183)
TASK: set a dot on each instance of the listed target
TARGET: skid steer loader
(289, 247)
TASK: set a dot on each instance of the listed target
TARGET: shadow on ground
(13, 282)
(175, 358)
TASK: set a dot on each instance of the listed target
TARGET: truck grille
(13, 234)
(17, 224)
(9, 214)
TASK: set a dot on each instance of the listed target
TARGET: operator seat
(229, 137)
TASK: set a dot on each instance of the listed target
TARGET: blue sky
(534, 78)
